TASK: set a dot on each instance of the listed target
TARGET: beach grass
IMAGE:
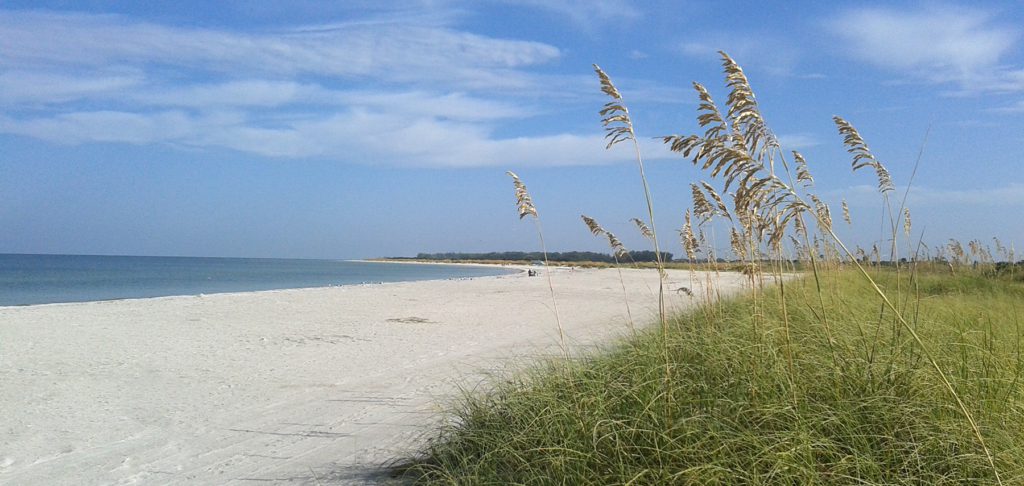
(867, 410)
(839, 366)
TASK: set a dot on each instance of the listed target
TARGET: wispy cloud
(440, 95)
(585, 14)
(21, 87)
(959, 45)
(1012, 108)
(937, 213)
(765, 52)
(354, 136)
(795, 141)
(922, 196)
(103, 126)
(398, 53)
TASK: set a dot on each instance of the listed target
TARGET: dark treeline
(567, 256)
(639, 257)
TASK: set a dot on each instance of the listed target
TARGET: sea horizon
(42, 278)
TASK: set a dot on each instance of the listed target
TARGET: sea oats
(979, 252)
(614, 116)
(736, 243)
(592, 225)
(746, 118)
(823, 212)
(1002, 251)
(722, 209)
(644, 229)
(957, 250)
(616, 245)
(862, 156)
(800, 227)
(619, 127)
(524, 203)
(802, 173)
(702, 208)
(689, 242)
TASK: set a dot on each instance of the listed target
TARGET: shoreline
(278, 384)
(203, 294)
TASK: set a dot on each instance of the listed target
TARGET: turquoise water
(44, 279)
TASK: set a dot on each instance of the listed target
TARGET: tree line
(567, 256)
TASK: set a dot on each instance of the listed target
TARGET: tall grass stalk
(524, 203)
(619, 128)
(617, 249)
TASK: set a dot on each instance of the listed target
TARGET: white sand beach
(311, 386)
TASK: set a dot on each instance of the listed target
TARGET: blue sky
(363, 128)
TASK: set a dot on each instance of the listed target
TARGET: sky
(359, 129)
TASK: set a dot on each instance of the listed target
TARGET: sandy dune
(313, 386)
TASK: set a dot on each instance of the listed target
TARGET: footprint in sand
(410, 320)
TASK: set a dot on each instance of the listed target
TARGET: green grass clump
(866, 408)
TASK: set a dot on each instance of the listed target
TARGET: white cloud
(42, 87)
(21, 89)
(397, 53)
(437, 99)
(262, 93)
(963, 46)
(240, 93)
(432, 96)
(355, 136)
(103, 126)
(454, 106)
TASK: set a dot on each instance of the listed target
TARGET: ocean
(45, 279)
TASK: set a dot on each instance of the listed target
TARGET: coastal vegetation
(898, 364)
(865, 408)
(523, 256)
